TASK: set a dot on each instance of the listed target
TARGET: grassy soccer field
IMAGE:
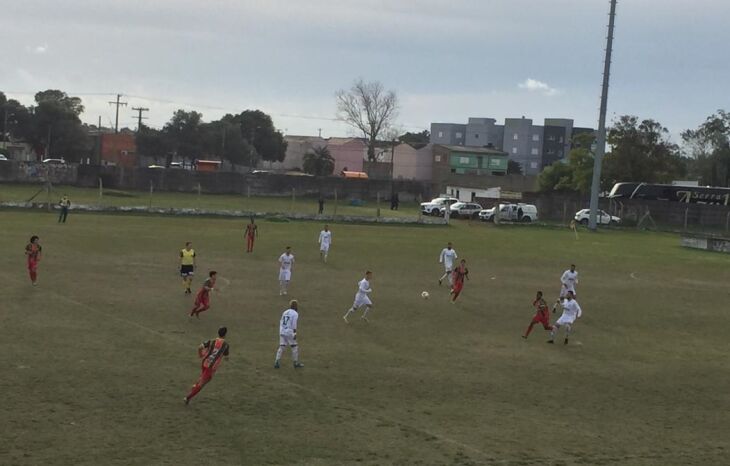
(98, 357)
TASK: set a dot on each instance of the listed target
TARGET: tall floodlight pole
(601, 139)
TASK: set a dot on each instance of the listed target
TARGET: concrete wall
(413, 164)
(35, 172)
(297, 147)
(348, 153)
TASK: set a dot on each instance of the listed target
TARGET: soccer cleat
(298, 365)
(276, 365)
(524, 336)
(440, 281)
(565, 342)
(364, 318)
(186, 400)
(35, 283)
(551, 342)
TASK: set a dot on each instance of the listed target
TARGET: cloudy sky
(447, 59)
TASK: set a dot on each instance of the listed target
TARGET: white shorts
(287, 340)
(565, 320)
(448, 269)
(361, 301)
(564, 291)
(324, 247)
(284, 275)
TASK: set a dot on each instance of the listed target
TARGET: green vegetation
(284, 204)
(98, 357)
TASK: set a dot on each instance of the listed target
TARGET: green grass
(98, 357)
(23, 192)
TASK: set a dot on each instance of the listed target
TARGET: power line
(118, 104)
(139, 111)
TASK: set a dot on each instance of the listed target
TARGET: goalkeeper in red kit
(542, 315)
(211, 353)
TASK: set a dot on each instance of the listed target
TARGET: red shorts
(458, 286)
(32, 264)
(202, 299)
(543, 319)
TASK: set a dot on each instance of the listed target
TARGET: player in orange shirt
(202, 299)
(251, 233)
(542, 315)
(33, 253)
(458, 275)
(211, 353)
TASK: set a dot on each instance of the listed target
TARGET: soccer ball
(424, 294)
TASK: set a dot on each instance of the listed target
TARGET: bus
(668, 192)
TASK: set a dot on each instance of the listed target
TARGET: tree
(183, 134)
(152, 142)
(55, 126)
(319, 162)
(514, 168)
(417, 140)
(16, 116)
(641, 151)
(369, 108)
(223, 139)
(708, 148)
(576, 173)
(264, 140)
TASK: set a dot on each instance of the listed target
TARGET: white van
(511, 212)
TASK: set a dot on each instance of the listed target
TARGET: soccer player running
(33, 253)
(251, 233)
(361, 298)
(458, 275)
(211, 353)
(542, 315)
(567, 283)
(571, 312)
(288, 335)
(202, 299)
(325, 240)
(447, 257)
(286, 265)
(187, 266)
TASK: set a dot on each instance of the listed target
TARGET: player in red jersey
(542, 315)
(211, 353)
(457, 277)
(251, 233)
(202, 299)
(33, 253)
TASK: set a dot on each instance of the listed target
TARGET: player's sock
(529, 329)
(279, 353)
(349, 311)
(365, 314)
(295, 354)
(194, 391)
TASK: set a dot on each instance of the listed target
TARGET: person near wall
(64, 204)
(320, 211)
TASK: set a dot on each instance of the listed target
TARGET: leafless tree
(368, 107)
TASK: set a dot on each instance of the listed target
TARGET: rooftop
(474, 150)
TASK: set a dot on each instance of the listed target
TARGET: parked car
(434, 206)
(54, 161)
(462, 209)
(603, 218)
(511, 212)
(3, 158)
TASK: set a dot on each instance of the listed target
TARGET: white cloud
(533, 85)
(40, 49)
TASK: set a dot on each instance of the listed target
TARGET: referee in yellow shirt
(187, 266)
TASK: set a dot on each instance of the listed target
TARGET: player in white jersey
(447, 257)
(567, 282)
(286, 264)
(325, 240)
(571, 313)
(361, 298)
(288, 335)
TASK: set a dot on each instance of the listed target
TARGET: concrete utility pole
(117, 103)
(139, 111)
(6, 133)
(601, 139)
